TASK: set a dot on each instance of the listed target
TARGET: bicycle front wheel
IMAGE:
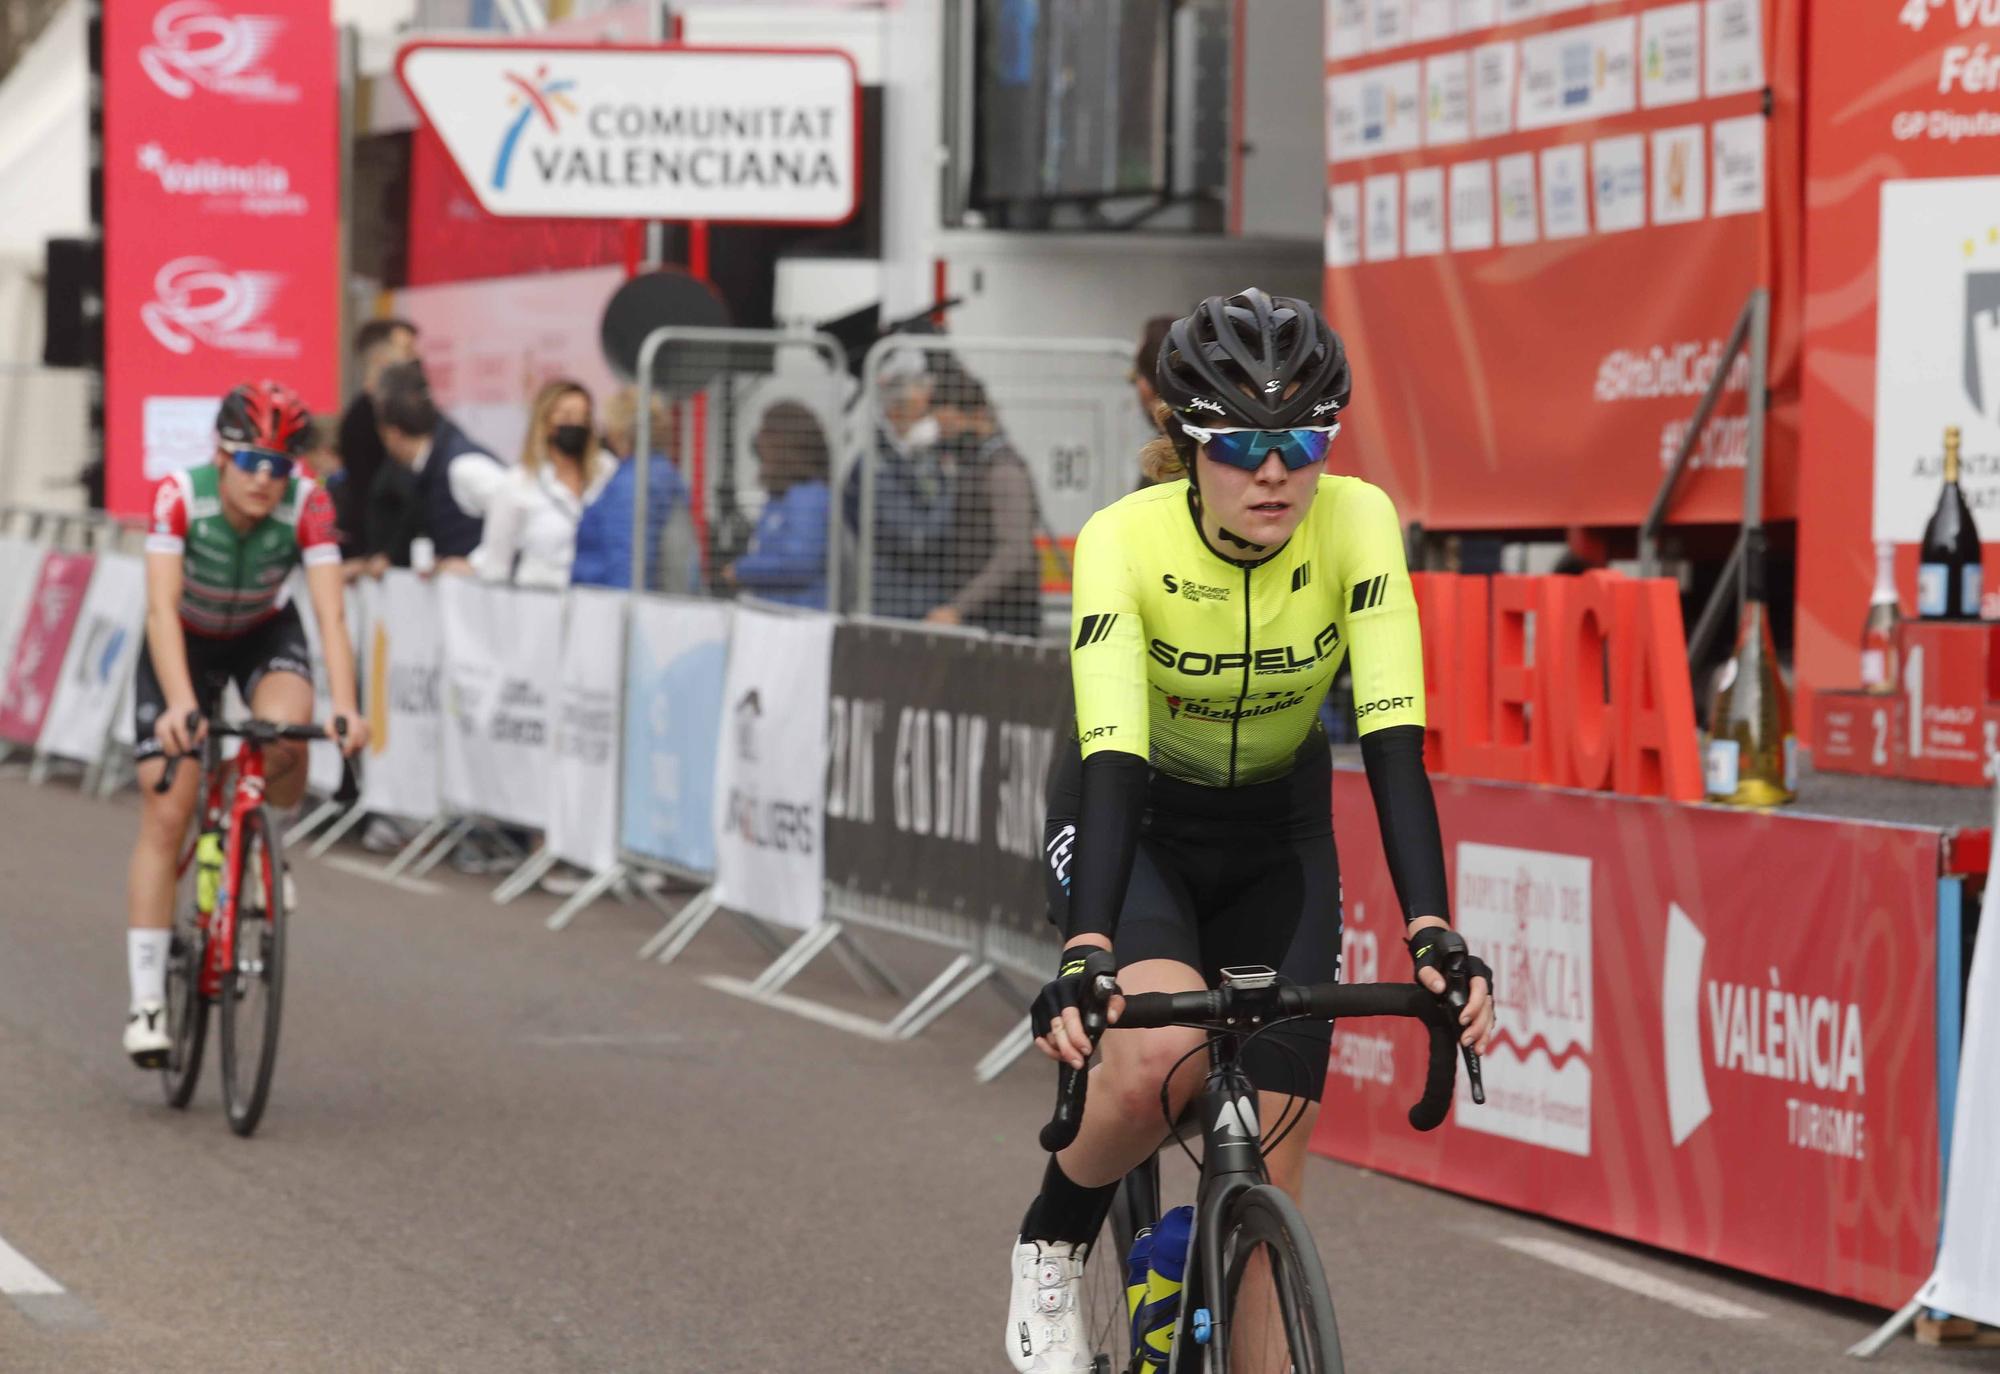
(1106, 1315)
(187, 1010)
(1275, 1305)
(253, 991)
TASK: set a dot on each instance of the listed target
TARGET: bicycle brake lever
(1456, 981)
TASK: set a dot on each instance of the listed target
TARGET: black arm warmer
(1408, 816)
(1107, 839)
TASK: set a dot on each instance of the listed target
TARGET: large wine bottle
(1948, 571)
(1879, 670)
(1752, 760)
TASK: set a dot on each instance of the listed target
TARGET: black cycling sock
(1065, 1210)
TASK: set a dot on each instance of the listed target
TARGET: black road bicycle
(1247, 1232)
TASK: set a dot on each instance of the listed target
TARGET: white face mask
(923, 434)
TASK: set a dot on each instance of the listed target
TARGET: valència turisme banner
(770, 775)
(502, 647)
(402, 697)
(677, 651)
(940, 747)
(583, 820)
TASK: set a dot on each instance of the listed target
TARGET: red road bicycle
(228, 946)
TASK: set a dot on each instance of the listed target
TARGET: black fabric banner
(939, 747)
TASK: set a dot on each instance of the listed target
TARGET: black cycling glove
(1082, 965)
(1442, 948)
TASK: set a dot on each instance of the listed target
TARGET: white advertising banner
(323, 770)
(1937, 349)
(583, 821)
(97, 669)
(1967, 1280)
(20, 566)
(675, 664)
(402, 696)
(502, 651)
(770, 775)
(645, 133)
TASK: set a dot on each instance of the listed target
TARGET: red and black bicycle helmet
(264, 415)
(1254, 361)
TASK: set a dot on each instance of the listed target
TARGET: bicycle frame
(230, 790)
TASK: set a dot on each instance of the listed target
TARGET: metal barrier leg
(38, 771)
(337, 831)
(919, 1024)
(761, 933)
(1888, 1331)
(418, 843)
(681, 927)
(1012, 1046)
(917, 1012)
(312, 821)
(600, 884)
(525, 877)
(443, 847)
(793, 961)
(864, 968)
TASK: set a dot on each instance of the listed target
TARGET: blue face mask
(1247, 448)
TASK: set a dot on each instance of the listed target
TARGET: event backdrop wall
(221, 221)
(1554, 222)
(1902, 307)
(1760, 1092)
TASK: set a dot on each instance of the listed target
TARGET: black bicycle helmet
(1254, 361)
(264, 415)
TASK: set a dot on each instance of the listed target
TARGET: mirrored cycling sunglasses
(253, 460)
(1246, 448)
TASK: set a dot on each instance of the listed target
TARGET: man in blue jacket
(604, 534)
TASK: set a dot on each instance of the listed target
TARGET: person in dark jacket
(439, 481)
(998, 582)
(378, 345)
(786, 559)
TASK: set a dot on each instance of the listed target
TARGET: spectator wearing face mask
(530, 537)
(914, 495)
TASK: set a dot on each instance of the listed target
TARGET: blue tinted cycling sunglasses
(254, 460)
(1247, 448)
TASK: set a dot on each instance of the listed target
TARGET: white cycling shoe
(1045, 1332)
(146, 1034)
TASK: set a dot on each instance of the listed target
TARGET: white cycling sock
(146, 961)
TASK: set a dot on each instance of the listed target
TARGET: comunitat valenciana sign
(728, 134)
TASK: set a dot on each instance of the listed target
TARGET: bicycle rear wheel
(253, 992)
(1106, 1317)
(1274, 1300)
(187, 1009)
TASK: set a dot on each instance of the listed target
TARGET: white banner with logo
(1967, 1280)
(583, 820)
(675, 664)
(97, 670)
(20, 565)
(323, 768)
(632, 133)
(502, 651)
(770, 777)
(402, 696)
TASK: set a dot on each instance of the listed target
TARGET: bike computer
(1249, 977)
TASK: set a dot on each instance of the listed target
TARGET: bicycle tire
(1106, 1317)
(254, 991)
(187, 1009)
(1264, 1220)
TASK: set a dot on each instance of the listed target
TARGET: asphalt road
(491, 1148)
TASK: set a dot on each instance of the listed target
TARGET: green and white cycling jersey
(233, 582)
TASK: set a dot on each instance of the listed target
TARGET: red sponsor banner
(44, 639)
(1539, 235)
(1902, 304)
(221, 220)
(1717, 1030)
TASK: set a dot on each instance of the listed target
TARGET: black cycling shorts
(1226, 876)
(277, 646)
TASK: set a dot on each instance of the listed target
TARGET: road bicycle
(1246, 1230)
(228, 947)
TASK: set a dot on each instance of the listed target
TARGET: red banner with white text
(221, 221)
(1717, 1030)
(1540, 231)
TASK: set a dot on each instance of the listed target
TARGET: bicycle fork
(1232, 1162)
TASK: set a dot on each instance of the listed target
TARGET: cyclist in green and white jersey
(223, 541)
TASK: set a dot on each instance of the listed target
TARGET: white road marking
(1632, 1280)
(347, 863)
(799, 1006)
(19, 1277)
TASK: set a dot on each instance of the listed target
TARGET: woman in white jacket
(530, 536)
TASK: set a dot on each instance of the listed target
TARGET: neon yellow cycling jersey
(1213, 670)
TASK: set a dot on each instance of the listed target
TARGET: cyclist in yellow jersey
(1190, 829)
